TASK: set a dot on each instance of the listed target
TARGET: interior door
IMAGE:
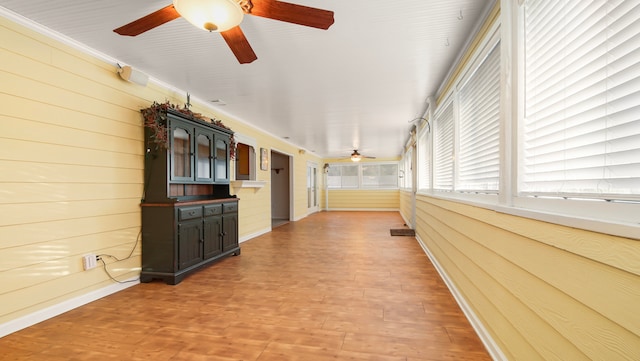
(312, 187)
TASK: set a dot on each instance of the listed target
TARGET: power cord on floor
(101, 257)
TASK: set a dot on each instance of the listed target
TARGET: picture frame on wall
(264, 159)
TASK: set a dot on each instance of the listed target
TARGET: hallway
(333, 286)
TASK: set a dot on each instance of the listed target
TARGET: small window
(245, 162)
(363, 175)
(342, 176)
(379, 175)
(444, 149)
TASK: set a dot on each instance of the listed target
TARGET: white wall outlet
(89, 261)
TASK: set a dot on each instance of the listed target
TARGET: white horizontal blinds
(424, 161)
(379, 175)
(443, 149)
(582, 104)
(342, 176)
(479, 124)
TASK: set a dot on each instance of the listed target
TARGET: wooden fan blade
(239, 45)
(292, 13)
(149, 22)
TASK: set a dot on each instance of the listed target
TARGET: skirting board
(253, 235)
(362, 210)
(60, 308)
(491, 346)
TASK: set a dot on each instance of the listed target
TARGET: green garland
(155, 118)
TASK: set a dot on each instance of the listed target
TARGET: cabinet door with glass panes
(221, 158)
(181, 158)
(204, 155)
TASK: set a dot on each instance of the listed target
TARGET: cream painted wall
(542, 291)
(405, 204)
(364, 200)
(71, 172)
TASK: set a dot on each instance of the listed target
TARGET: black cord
(104, 266)
(101, 258)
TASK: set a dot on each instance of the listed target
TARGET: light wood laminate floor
(333, 286)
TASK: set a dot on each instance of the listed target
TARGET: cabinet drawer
(189, 213)
(230, 207)
(212, 210)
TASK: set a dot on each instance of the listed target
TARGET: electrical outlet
(89, 261)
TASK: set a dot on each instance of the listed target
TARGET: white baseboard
(253, 235)
(60, 308)
(363, 209)
(491, 346)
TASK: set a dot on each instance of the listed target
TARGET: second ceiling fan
(356, 156)
(224, 16)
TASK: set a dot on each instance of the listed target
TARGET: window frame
(359, 165)
(253, 167)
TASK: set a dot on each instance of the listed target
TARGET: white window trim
(252, 183)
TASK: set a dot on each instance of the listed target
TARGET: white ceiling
(357, 85)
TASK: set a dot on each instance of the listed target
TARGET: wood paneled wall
(364, 199)
(71, 164)
(542, 291)
(71, 172)
(405, 205)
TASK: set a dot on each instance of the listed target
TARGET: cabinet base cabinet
(180, 238)
(173, 278)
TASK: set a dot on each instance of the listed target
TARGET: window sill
(248, 184)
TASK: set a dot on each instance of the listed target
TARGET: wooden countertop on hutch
(189, 203)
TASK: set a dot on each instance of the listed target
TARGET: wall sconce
(129, 74)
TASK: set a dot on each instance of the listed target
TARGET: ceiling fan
(356, 157)
(224, 16)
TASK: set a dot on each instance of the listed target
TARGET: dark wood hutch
(189, 219)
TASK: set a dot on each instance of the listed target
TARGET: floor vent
(403, 232)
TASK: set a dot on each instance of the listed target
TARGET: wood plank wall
(71, 171)
(405, 205)
(543, 291)
(364, 199)
(71, 164)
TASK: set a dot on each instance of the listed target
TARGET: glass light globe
(210, 15)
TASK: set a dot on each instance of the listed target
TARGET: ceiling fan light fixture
(355, 156)
(210, 15)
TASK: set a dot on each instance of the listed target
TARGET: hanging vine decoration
(155, 119)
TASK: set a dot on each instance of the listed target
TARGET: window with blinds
(443, 148)
(406, 171)
(343, 176)
(379, 175)
(424, 160)
(479, 124)
(363, 175)
(581, 132)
